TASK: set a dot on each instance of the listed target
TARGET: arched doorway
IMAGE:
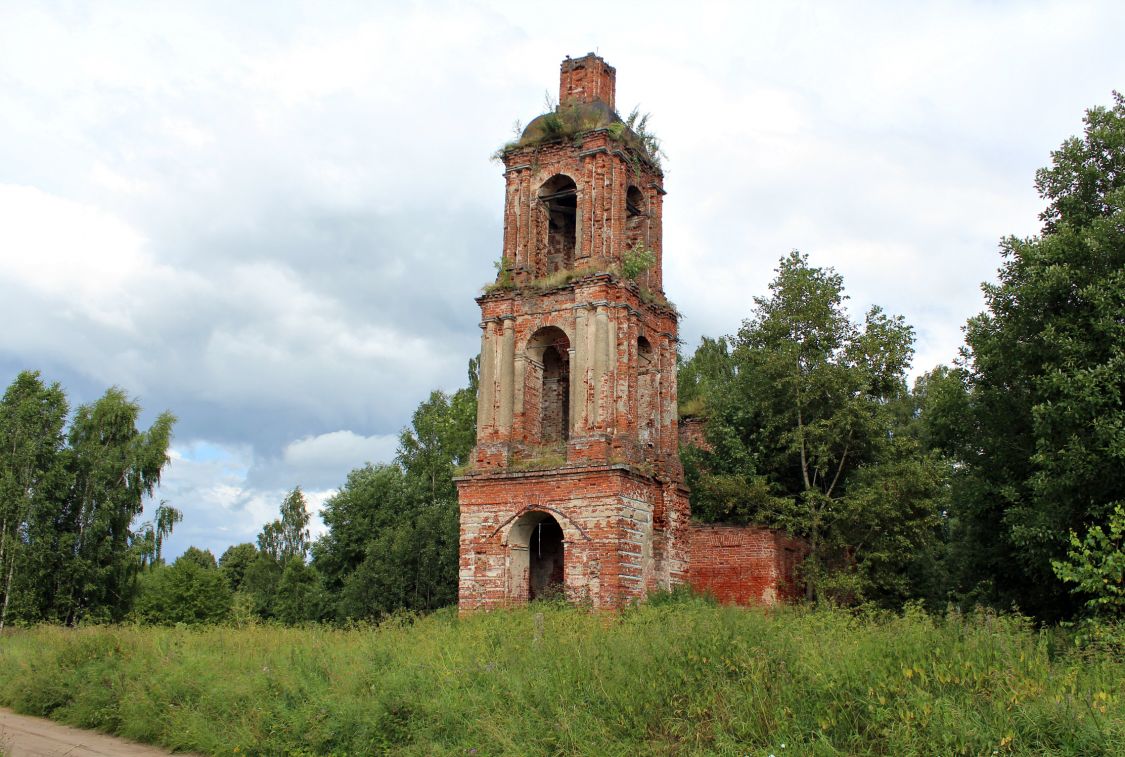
(538, 556)
(545, 560)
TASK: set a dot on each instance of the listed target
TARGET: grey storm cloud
(272, 219)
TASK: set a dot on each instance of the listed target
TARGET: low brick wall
(743, 565)
(693, 431)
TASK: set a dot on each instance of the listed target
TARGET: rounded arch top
(544, 337)
(517, 530)
(557, 186)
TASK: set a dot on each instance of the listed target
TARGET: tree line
(69, 496)
(996, 480)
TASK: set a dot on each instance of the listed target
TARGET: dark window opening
(636, 219)
(547, 386)
(559, 197)
(646, 396)
(644, 352)
(634, 202)
(556, 394)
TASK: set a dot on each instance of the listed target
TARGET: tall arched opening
(647, 376)
(559, 197)
(538, 555)
(548, 385)
(636, 218)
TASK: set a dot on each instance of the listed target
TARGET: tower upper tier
(584, 187)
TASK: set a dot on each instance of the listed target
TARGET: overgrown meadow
(679, 677)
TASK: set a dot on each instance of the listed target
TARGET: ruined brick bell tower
(576, 483)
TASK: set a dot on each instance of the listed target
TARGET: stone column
(578, 366)
(507, 372)
(487, 399)
(601, 363)
(575, 382)
(519, 412)
(612, 359)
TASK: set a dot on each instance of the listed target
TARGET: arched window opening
(644, 352)
(559, 197)
(548, 385)
(646, 396)
(556, 392)
(636, 219)
(538, 556)
(634, 202)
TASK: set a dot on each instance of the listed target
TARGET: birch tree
(114, 466)
(32, 416)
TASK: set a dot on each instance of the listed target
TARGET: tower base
(623, 534)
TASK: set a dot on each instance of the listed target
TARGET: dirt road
(23, 736)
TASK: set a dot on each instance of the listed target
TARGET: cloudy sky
(272, 218)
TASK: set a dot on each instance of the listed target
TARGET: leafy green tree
(32, 479)
(259, 583)
(440, 437)
(300, 596)
(281, 542)
(1045, 453)
(805, 433)
(1096, 565)
(938, 419)
(191, 590)
(287, 537)
(150, 536)
(204, 558)
(114, 466)
(235, 561)
(371, 500)
(68, 546)
(388, 545)
(710, 369)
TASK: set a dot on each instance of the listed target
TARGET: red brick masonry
(743, 564)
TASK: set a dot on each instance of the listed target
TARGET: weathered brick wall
(621, 405)
(743, 564)
(622, 534)
(693, 431)
(604, 228)
(587, 79)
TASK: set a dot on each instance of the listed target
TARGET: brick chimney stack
(587, 79)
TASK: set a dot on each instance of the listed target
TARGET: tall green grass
(675, 678)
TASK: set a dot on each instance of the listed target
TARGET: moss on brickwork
(544, 457)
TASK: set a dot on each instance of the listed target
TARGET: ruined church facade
(576, 487)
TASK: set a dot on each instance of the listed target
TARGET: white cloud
(63, 248)
(343, 448)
